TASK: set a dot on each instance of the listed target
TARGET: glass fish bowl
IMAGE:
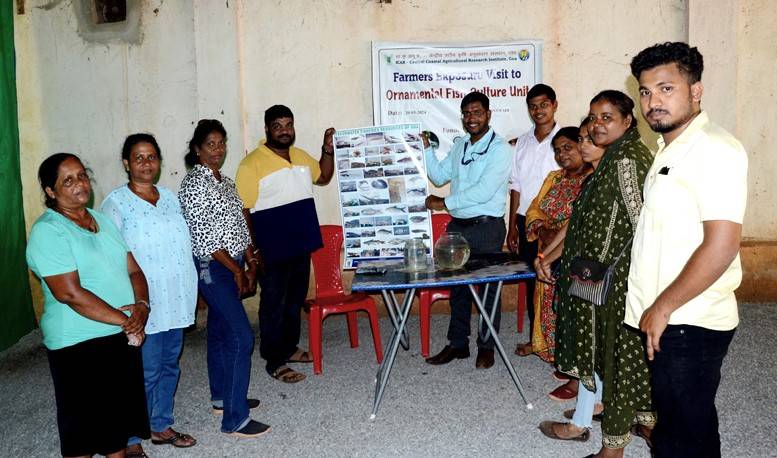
(451, 251)
(415, 255)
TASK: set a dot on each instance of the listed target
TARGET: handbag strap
(623, 251)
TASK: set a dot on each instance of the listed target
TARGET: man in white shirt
(685, 258)
(533, 159)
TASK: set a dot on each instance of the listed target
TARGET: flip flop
(562, 393)
(304, 357)
(173, 440)
(287, 375)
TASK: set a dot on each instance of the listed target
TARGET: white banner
(381, 176)
(425, 82)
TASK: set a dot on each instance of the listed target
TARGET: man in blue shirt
(477, 167)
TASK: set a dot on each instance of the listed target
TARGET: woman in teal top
(150, 220)
(95, 304)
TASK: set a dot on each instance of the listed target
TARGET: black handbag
(591, 280)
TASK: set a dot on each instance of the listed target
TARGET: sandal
(563, 393)
(643, 432)
(287, 375)
(548, 429)
(135, 452)
(300, 356)
(177, 440)
(524, 349)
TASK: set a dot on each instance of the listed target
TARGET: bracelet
(254, 261)
(540, 255)
(144, 303)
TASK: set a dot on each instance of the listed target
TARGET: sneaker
(252, 429)
(252, 404)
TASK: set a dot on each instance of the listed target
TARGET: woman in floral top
(221, 247)
(548, 214)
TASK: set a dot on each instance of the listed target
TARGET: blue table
(490, 269)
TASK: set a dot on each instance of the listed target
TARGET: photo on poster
(382, 184)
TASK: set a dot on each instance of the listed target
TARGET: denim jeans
(284, 288)
(586, 400)
(486, 237)
(685, 377)
(160, 372)
(230, 342)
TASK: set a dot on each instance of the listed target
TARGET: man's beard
(664, 126)
(281, 144)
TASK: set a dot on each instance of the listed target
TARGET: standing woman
(592, 342)
(149, 218)
(221, 248)
(89, 278)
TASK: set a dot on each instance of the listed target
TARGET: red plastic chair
(426, 297)
(331, 299)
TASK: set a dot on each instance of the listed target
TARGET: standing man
(275, 182)
(685, 259)
(477, 167)
(532, 162)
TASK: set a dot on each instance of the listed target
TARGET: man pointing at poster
(477, 167)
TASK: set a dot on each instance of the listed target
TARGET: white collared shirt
(532, 162)
(700, 176)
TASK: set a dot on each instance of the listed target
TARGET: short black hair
(689, 60)
(569, 132)
(134, 139)
(621, 101)
(475, 96)
(48, 172)
(277, 112)
(541, 89)
(203, 129)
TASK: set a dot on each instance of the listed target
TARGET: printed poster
(381, 176)
(425, 82)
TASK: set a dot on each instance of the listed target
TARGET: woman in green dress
(592, 342)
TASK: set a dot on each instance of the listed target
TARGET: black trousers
(284, 288)
(485, 237)
(527, 251)
(685, 378)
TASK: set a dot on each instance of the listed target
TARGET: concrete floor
(452, 410)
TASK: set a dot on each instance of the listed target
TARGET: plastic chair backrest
(439, 224)
(326, 262)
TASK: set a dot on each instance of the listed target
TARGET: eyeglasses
(473, 114)
(565, 148)
(478, 153)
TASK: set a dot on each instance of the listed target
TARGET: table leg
(485, 334)
(381, 379)
(390, 299)
(487, 319)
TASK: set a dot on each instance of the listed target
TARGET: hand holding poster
(381, 176)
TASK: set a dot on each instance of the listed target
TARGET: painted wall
(232, 59)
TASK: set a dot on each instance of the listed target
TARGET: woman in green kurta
(592, 339)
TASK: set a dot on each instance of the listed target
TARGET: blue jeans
(160, 372)
(685, 378)
(586, 400)
(230, 342)
(485, 237)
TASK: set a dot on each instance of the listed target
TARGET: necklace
(151, 198)
(87, 223)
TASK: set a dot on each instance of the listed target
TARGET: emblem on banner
(523, 54)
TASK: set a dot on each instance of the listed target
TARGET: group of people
(120, 284)
(636, 256)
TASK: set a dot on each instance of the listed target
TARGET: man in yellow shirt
(685, 258)
(275, 183)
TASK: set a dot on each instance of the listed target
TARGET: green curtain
(17, 317)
